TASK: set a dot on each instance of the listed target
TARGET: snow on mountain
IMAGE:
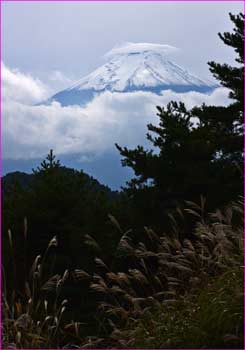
(134, 67)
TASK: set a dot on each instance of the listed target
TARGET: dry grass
(29, 321)
(165, 270)
(171, 294)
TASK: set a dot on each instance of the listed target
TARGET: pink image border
(88, 1)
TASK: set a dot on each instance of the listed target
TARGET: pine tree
(196, 152)
(233, 77)
(48, 163)
(62, 202)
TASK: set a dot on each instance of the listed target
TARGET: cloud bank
(29, 130)
(22, 88)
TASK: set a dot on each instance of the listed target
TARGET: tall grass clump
(30, 320)
(158, 292)
(185, 293)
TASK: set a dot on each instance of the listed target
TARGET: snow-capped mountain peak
(134, 67)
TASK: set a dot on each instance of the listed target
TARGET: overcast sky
(59, 41)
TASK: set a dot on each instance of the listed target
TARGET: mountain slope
(24, 180)
(133, 67)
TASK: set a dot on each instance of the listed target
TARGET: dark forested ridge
(59, 201)
(25, 180)
(156, 265)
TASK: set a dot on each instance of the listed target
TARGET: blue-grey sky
(71, 37)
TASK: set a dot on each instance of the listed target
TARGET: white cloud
(29, 131)
(128, 47)
(22, 87)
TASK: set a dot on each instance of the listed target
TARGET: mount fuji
(134, 78)
(133, 67)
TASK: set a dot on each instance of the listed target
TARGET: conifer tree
(198, 151)
(48, 163)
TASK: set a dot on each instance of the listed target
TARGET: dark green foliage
(233, 77)
(196, 152)
(61, 202)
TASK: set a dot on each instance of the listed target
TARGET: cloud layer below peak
(17, 86)
(30, 130)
